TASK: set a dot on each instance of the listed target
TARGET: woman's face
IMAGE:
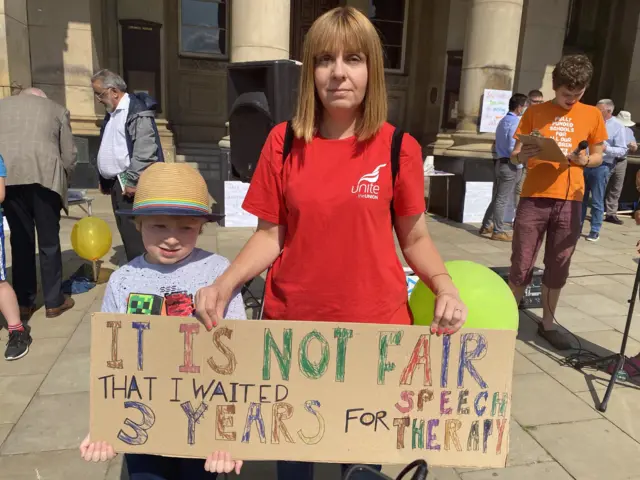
(341, 80)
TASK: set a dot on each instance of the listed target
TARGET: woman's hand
(450, 313)
(211, 303)
(96, 451)
(221, 462)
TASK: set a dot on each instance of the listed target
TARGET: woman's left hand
(221, 462)
(449, 315)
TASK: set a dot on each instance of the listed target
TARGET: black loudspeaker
(260, 95)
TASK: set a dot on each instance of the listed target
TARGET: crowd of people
(552, 198)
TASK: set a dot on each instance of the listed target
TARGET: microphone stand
(619, 358)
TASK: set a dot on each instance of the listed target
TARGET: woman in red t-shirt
(325, 222)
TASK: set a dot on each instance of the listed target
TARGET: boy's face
(169, 239)
(568, 98)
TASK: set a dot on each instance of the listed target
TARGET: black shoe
(614, 219)
(18, 344)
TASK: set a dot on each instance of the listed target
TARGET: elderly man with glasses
(129, 143)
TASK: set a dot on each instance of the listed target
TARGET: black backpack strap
(288, 142)
(396, 146)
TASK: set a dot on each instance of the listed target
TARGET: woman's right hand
(211, 303)
(96, 451)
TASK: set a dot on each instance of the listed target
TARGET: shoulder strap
(396, 145)
(288, 142)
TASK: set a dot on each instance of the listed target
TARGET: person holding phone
(551, 199)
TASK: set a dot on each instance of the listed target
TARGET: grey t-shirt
(144, 288)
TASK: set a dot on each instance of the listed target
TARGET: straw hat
(171, 189)
(625, 118)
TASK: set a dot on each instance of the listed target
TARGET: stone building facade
(440, 54)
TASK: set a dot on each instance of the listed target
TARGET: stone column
(542, 41)
(260, 30)
(15, 61)
(490, 54)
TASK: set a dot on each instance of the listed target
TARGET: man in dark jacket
(129, 143)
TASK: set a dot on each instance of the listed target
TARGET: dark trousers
(29, 208)
(131, 238)
(304, 470)
(153, 467)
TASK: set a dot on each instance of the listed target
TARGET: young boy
(170, 209)
(19, 337)
(551, 199)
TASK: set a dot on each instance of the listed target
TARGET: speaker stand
(619, 358)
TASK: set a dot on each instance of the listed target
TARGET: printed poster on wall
(310, 391)
(495, 105)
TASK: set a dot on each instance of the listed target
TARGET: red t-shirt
(339, 260)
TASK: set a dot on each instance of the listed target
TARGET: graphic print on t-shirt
(367, 186)
(173, 304)
(562, 128)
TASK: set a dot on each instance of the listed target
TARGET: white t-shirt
(144, 288)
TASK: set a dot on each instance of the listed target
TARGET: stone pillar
(15, 61)
(260, 30)
(541, 44)
(490, 54)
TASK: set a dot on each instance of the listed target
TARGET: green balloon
(487, 296)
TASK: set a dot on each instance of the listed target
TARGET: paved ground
(557, 433)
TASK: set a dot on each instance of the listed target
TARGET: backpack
(396, 145)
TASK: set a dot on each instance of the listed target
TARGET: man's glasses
(99, 95)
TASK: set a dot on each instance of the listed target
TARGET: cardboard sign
(313, 391)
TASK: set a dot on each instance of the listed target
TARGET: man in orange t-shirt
(551, 199)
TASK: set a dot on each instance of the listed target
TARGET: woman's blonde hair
(343, 29)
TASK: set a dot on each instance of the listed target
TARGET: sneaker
(501, 237)
(486, 230)
(613, 219)
(593, 237)
(18, 344)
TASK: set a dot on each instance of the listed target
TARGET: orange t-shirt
(568, 128)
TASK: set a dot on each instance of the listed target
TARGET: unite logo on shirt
(367, 186)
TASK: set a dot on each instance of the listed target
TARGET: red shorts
(560, 220)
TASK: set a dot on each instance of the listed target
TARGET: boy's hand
(96, 451)
(211, 302)
(221, 462)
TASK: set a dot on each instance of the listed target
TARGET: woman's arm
(3, 190)
(257, 255)
(423, 258)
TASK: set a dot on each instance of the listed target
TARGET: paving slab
(41, 357)
(5, 429)
(57, 465)
(522, 365)
(16, 393)
(530, 408)
(70, 374)
(623, 408)
(51, 422)
(546, 471)
(593, 449)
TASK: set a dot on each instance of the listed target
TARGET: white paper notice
(495, 105)
(235, 216)
(476, 200)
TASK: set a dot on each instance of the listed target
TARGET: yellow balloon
(91, 238)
